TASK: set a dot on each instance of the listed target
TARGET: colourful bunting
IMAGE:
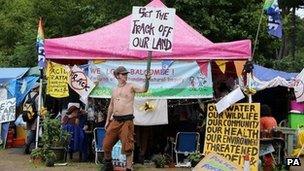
(203, 67)
(239, 66)
(222, 65)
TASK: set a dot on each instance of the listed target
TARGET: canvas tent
(268, 78)
(7, 74)
(14, 83)
(112, 42)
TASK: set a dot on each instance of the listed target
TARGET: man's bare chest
(124, 93)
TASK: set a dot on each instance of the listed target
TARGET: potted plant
(159, 160)
(54, 138)
(43, 154)
(195, 158)
(50, 157)
(37, 156)
(54, 141)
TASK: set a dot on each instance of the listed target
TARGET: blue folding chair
(186, 143)
(99, 134)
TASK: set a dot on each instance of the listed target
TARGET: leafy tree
(218, 20)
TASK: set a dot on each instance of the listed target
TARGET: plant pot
(157, 165)
(37, 161)
(49, 162)
(59, 152)
(171, 165)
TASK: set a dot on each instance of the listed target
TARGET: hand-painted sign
(152, 29)
(57, 80)
(7, 110)
(234, 133)
(182, 79)
(80, 83)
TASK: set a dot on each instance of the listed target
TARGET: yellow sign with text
(234, 133)
(57, 80)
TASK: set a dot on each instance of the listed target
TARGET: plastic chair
(186, 143)
(99, 134)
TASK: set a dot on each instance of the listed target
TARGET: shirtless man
(119, 123)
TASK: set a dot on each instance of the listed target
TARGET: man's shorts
(119, 130)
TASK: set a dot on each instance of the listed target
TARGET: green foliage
(169, 159)
(291, 64)
(37, 153)
(53, 134)
(218, 20)
(159, 160)
(195, 158)
(43, 154)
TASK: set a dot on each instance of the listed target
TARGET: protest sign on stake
(234, 133)
(152, 29)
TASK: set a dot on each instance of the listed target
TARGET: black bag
(29, 113)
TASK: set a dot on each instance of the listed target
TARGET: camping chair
(186, 143)
(99, 134)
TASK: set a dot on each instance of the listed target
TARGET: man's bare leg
(130, 161)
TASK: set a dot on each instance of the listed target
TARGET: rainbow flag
(267, 4)
(40, 45)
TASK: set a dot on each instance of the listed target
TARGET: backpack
(29, 113)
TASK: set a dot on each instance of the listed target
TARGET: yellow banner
(234, 133)
(57, 80)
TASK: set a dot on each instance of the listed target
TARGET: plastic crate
(296, 120)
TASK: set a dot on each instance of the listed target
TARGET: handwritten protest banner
(80, 82)
(152, 29)
(57, 80)
(216, 162)
(182, 79)
(234, 133)
(7, 110)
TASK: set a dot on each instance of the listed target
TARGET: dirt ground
(13, 159)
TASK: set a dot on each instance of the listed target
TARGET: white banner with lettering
(169, 79)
